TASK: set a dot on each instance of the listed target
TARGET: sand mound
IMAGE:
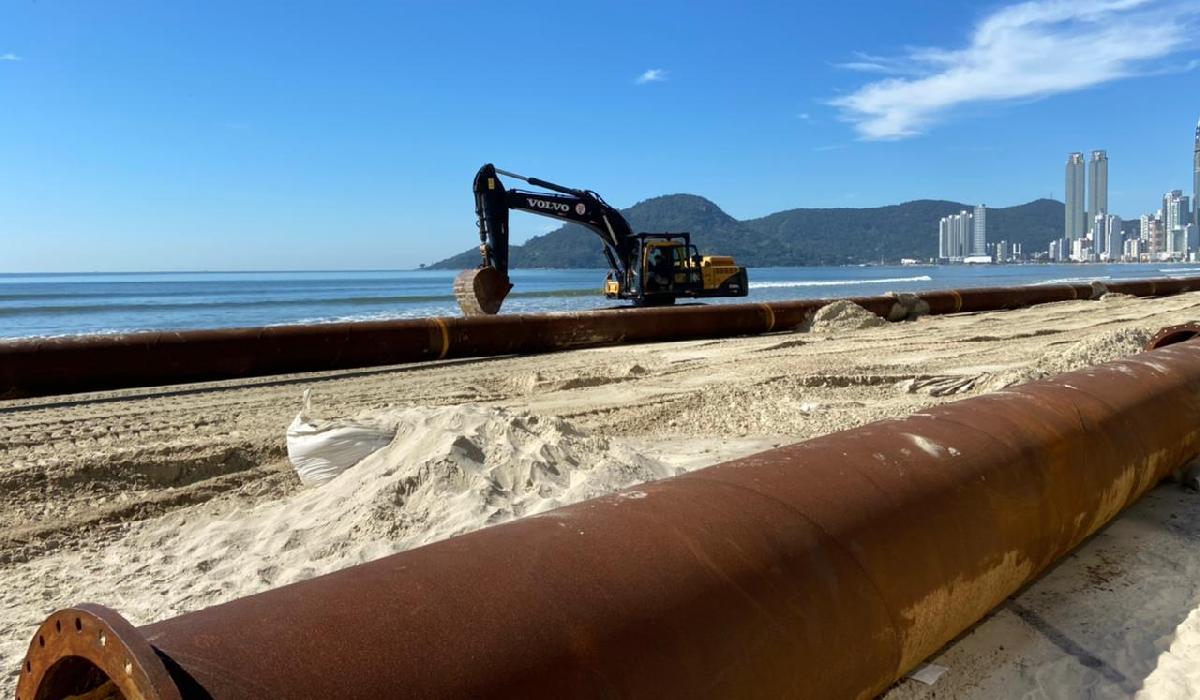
(532, 382)
(844, 315)
(449, 470)
(1088, 352)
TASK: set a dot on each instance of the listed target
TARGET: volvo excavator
(649, 269)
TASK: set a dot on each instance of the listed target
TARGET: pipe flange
(80, 649)
(1174, 334)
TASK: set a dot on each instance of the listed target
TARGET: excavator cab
(668, 267)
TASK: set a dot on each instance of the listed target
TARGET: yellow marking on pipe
(957, 300)
(770, 317)
(441, 324)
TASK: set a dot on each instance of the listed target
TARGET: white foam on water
(1070, 280)
(838, 283)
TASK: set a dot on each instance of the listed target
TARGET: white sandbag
(321, 449)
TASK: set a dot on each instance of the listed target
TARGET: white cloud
(866, 63)
(1024, 51)
(653, 75)
(9, 57)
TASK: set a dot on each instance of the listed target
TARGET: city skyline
(1171, 232)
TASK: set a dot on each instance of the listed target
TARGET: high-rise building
(1082, 251)
(1175, 216)
(1097, 232)
(956, 236)
(1075, 224)
(1114, 240)
(1155, 241)
(979, 241)
(1097, 204)
(1107, 237)
(1133, 249)
(1196, 178)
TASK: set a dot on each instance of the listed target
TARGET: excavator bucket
(481, 291)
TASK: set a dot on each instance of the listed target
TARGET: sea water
(54, 304)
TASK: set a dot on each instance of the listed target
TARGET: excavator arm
(483, 290)
(493, 202)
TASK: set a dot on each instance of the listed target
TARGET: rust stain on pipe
(826, 569)
(40, 367)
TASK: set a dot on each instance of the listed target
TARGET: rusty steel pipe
(39, 367)
(1173, 334)
(826, 569)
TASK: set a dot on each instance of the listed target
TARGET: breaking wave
(1070, 280)
(839, 283)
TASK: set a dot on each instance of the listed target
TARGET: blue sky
(232, 135)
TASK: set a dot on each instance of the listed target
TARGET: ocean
(49, 304)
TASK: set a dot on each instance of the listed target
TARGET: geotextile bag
(321, 449)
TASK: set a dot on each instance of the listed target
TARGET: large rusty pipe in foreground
(41, 367)
(826, 569)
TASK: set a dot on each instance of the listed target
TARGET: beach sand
(159, 501)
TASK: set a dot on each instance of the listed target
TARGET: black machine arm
(584, 207)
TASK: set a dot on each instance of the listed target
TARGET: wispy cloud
(9, 57)
(867, 63)
(653, 75)
(1025, 51)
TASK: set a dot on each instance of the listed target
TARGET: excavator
(649, 269)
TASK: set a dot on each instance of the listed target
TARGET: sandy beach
(159, 501)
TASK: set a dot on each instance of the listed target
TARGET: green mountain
(792, 237)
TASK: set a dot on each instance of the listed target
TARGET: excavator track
(481, 292)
